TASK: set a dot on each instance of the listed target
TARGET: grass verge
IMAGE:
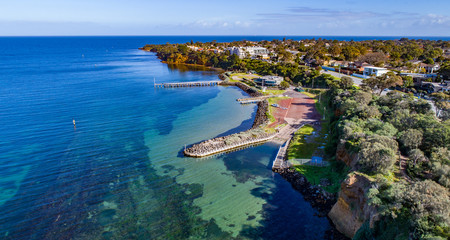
(299, 147)
(314, 174)
(273, 92)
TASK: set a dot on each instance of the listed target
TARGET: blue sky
(232, 17)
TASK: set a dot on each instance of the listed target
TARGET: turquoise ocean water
(120, 173)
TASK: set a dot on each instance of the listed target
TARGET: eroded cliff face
(342, 154)
(351, 209)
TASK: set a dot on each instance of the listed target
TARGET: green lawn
(275, 99)
(313, 174)
(232, 80)
(273, 92)
(311, 95)
(321, 105)
(299, 147)
(244, 75)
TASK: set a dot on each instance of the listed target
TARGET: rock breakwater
(222, 144)
(253, 92)
(319, 198)
(250, 137)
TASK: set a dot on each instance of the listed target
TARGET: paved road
(357, 81)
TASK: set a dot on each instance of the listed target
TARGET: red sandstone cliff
(351, 209)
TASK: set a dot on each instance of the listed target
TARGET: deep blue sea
(120, 174)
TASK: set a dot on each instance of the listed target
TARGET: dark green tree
(411, 139)
(386, 80)
(284, 85)
(346, 82)
(377, 154)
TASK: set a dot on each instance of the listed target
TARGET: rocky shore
(317, 197)
(251, 91)
(261, 117)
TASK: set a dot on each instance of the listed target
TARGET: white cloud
(306, 20)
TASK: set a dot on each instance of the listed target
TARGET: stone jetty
(255, 135)
(228, 143)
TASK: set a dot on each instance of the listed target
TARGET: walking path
(280, 162)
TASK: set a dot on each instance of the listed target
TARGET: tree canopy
(379, 83)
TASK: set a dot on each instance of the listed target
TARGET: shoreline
(246, 138)
(317, 197)
(195, 65)
(188, 64)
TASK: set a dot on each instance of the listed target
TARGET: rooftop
(379, 68)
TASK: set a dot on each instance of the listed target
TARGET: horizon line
(231, 35)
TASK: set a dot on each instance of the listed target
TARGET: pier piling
(187, 84)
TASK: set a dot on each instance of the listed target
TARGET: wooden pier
(279, 163)
(187, 84)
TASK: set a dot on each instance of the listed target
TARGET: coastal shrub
(441, 173)
(417, 163)
(428, 203)
(366, 111)
(377, 154)
(346, 82)
(440, 158)
(362, 97)
(420, 107)
(348, 107)
(435, 136)
(400, 119)
(284, 85)
(376, 126)
(410, 139)
(416, 210)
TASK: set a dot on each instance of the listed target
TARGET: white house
(374, 71)
(269, 80)
(429, 68)
(252, 52)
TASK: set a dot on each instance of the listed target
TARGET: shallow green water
(120, 173)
